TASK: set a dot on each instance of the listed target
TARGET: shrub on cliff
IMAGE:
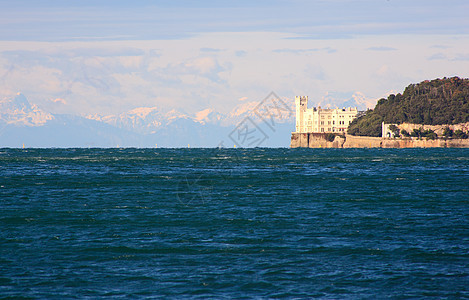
(405, 133)
(394, 129)
(459, 134)
(430, 134)
(448, 132)
(435, 102)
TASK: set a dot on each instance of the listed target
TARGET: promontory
(432, 113)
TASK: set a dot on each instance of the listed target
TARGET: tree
(405, 133)
(459, 134)
(435, 102)
(448, 132)
(429, 134)
(416, 133)
(394, 130)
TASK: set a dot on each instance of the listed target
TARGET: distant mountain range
(25, 123)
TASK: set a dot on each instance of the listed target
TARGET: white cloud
(461, 57)
(437, 56)
(383, 70)
(59, 100)
(382, 48)
(177, 74)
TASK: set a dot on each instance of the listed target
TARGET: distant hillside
(435, 102)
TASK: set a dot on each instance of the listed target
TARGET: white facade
(318, 120)
(386, 132)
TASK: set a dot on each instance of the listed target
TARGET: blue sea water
(234, 223)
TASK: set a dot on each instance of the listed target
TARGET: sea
(234, 223)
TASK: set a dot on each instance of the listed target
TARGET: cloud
(381, 49)
(240, 53)
(383, 70)
(104, 52)
(204, 66)
(112, 77)
(457, 57)
(461, 57)
(169, 20)
(62, 53)
(211, 50)
(315, 72)
(440, 47)
(303, 51)
(321, 36)
(59, 101)
(437, 56)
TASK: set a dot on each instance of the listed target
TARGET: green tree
(429, 134)
(435, 102)
(459, 134)
(416, 133)
(394, 129)
(448, 132)
(405, 133)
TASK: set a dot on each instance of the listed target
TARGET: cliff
(319, 140)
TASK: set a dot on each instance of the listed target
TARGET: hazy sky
(85, 57)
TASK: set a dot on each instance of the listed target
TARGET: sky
(108, 57)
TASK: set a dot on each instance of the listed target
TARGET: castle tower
(301, 103)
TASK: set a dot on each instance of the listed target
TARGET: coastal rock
(318, 140)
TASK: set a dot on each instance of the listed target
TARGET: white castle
(318, 120)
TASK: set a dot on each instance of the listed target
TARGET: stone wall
(299, 140)
(438, 129)
(362, 142)
(412, 143)
(318, 140)
(457, 143)
(314, 140)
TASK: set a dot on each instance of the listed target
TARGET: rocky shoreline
(319, 140)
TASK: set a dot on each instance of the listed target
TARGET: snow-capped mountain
(356, 99)
(143, 119)
(24, 124)
(208, 116)
(149, 120)
(18, 111)
(282, 111)
(139, 127)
